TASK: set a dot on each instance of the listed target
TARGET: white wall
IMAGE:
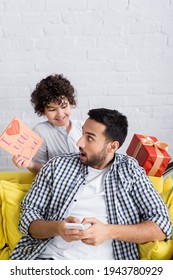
(117, 53)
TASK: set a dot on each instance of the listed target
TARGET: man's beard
(96, 160)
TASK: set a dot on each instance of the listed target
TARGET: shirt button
(75, 200)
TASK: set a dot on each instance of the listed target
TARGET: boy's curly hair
(52, 89)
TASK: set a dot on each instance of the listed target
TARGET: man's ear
(113, 146)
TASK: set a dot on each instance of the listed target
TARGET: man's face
(93, 145)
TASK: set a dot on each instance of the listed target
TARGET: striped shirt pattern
(130, 199)
(57, 141)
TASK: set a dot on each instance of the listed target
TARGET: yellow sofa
(14, 186)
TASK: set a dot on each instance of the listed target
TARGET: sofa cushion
(157, 183)
(12, 194)
(2, 237)
(167, 197)
(158, 250)
(5, 253)
(168, 183)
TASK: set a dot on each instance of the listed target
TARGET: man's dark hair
(115, 122)
(52, 89)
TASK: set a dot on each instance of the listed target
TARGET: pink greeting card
(19, 139)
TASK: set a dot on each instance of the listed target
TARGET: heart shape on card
(14, 128)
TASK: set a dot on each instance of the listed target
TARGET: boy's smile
(59, 114)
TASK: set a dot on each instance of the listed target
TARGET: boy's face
(94, 146)
(59, 114)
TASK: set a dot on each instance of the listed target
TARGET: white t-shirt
(91, 203)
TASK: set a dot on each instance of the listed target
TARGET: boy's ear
(113, 146)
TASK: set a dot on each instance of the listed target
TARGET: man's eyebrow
(89, 133)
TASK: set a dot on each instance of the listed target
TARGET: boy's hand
(20, 162)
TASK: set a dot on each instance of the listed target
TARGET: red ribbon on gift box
(147, 141)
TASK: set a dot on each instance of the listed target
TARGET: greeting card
(19, 139)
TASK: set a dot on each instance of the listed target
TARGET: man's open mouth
(82, 154)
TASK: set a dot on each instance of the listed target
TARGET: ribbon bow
(149, 142)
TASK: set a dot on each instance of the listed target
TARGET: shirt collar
(84, 170)
(61, 128)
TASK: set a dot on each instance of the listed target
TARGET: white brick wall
(117, 53)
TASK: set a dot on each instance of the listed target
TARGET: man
(99, 186)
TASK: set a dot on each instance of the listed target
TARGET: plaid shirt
(130, 199)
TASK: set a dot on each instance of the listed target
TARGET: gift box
(150, 153)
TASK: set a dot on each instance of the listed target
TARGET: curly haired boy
(53, 97)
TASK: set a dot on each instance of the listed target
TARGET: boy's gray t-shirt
(57, 140)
